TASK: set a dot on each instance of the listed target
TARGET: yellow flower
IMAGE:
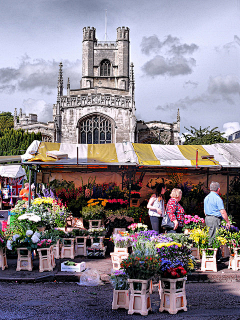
(167, 244)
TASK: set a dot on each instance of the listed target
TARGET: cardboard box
(79, 267)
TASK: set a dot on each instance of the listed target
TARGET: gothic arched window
(105, 68)
(95, 129)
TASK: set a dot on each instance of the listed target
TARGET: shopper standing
(214, 210)
(156, 207)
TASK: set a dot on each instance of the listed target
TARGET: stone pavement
(104, 268)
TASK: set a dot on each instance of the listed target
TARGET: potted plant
(140, 270)
(119, 281)
(172, 292)
(46, 255)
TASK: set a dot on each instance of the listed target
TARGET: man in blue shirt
(214, 210)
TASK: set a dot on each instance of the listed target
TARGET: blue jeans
(156, 223)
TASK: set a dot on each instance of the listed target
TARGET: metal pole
(227, 190)
(30, 178)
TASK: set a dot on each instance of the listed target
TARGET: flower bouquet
(28, 240)
(169, 270)
(192, 222)
(143, 267)
(119, 280)
(121, 240)
(136, 227)
(44, 243)
(176, 254)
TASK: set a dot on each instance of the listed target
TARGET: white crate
(79, 267)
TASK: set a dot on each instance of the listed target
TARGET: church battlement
(89, 34)
(123, 33)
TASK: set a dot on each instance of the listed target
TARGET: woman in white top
(156, 207)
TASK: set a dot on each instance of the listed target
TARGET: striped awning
(217, 155)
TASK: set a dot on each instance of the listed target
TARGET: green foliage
(6, 121)
(93, 212)
(137, 213)
(118, 221)
(204, 136)
(116, 193)
(16, 142)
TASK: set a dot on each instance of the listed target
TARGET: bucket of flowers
(119, 281)
(44, 244)
(136, 227)
(172, 289)
(140, 270)
(192, 222)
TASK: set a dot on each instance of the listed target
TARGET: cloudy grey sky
(185, 52)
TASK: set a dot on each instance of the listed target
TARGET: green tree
(204, 136)
(6, 120)
(16, 142)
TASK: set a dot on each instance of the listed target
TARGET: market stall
(11, 181)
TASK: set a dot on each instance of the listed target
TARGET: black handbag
(167, 223)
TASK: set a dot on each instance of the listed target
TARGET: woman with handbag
(156, 207)
(175, 211)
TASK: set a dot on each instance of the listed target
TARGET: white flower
(23, 217)
(37, 234)
(29, 232)
(35, 239)
(15, 236)
(9, 244)
(34, 218)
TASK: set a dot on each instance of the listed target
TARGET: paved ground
(69, 301)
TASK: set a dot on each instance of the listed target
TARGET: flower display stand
(97, 241)
(56, 250)
(117, 259)
(95, 224)
(120, 299)
(195, 252)
(68, 250)
(234, 260)
(134, 203)
(209, 262)
(140, 301)
(46, 259)
(81, 246)
(3, 258)
(96, 252)
(24, 259)
(117, 256)
(173, 295)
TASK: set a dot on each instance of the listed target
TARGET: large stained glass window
(95, 129)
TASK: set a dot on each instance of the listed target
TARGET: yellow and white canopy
(217, 155)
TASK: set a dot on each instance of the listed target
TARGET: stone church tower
(102, 110)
